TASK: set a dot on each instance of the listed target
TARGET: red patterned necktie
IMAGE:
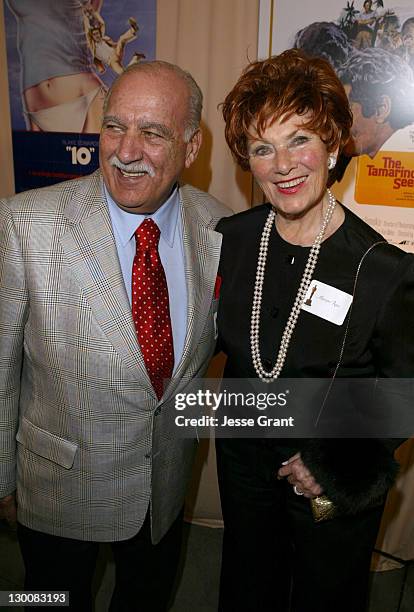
(150, 306)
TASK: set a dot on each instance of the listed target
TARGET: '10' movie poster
(62, 57)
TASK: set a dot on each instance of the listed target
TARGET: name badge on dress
(327, 302)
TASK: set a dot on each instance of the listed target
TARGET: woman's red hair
(281, 86)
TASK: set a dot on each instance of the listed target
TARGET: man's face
(408, 38)
(142, 149)
(363, 130)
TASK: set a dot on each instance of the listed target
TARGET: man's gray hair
(195, 96)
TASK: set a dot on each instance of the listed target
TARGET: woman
(60, 91)
(287, 120)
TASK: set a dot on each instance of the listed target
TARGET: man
(380, 88)
(407, 32)
(98, 457)
(105, 51)
(366, 20)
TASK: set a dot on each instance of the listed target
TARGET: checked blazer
(83, 438)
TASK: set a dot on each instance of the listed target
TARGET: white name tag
(327, 302)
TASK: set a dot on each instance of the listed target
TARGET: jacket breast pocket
(45, 444)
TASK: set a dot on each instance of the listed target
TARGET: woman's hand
(8, 510)
(300, 477)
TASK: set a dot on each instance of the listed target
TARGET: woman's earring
(331, 162)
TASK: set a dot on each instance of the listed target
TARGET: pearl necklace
(265, 376)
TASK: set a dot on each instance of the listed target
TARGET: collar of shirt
(125, 223)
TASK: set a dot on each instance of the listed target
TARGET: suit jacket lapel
(91, 252)
(202, 254)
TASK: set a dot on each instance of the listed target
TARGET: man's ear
(383, 109)
(193, 147)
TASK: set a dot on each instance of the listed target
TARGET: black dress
(273, 550)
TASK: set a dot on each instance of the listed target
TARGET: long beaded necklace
(271, 376)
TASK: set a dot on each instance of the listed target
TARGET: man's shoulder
(52, 197)
(208, 208)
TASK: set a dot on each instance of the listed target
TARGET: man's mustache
(132, 167)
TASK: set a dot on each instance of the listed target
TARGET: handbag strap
(341, 353)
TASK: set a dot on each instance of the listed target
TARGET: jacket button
(157, 412)
(147, 455)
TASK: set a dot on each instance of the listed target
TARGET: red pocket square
(217, 287)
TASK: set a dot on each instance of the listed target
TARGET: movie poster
(371, 46)
(62, 57)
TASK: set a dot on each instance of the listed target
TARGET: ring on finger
(297, 491)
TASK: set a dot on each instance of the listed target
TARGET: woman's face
(290, 164)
